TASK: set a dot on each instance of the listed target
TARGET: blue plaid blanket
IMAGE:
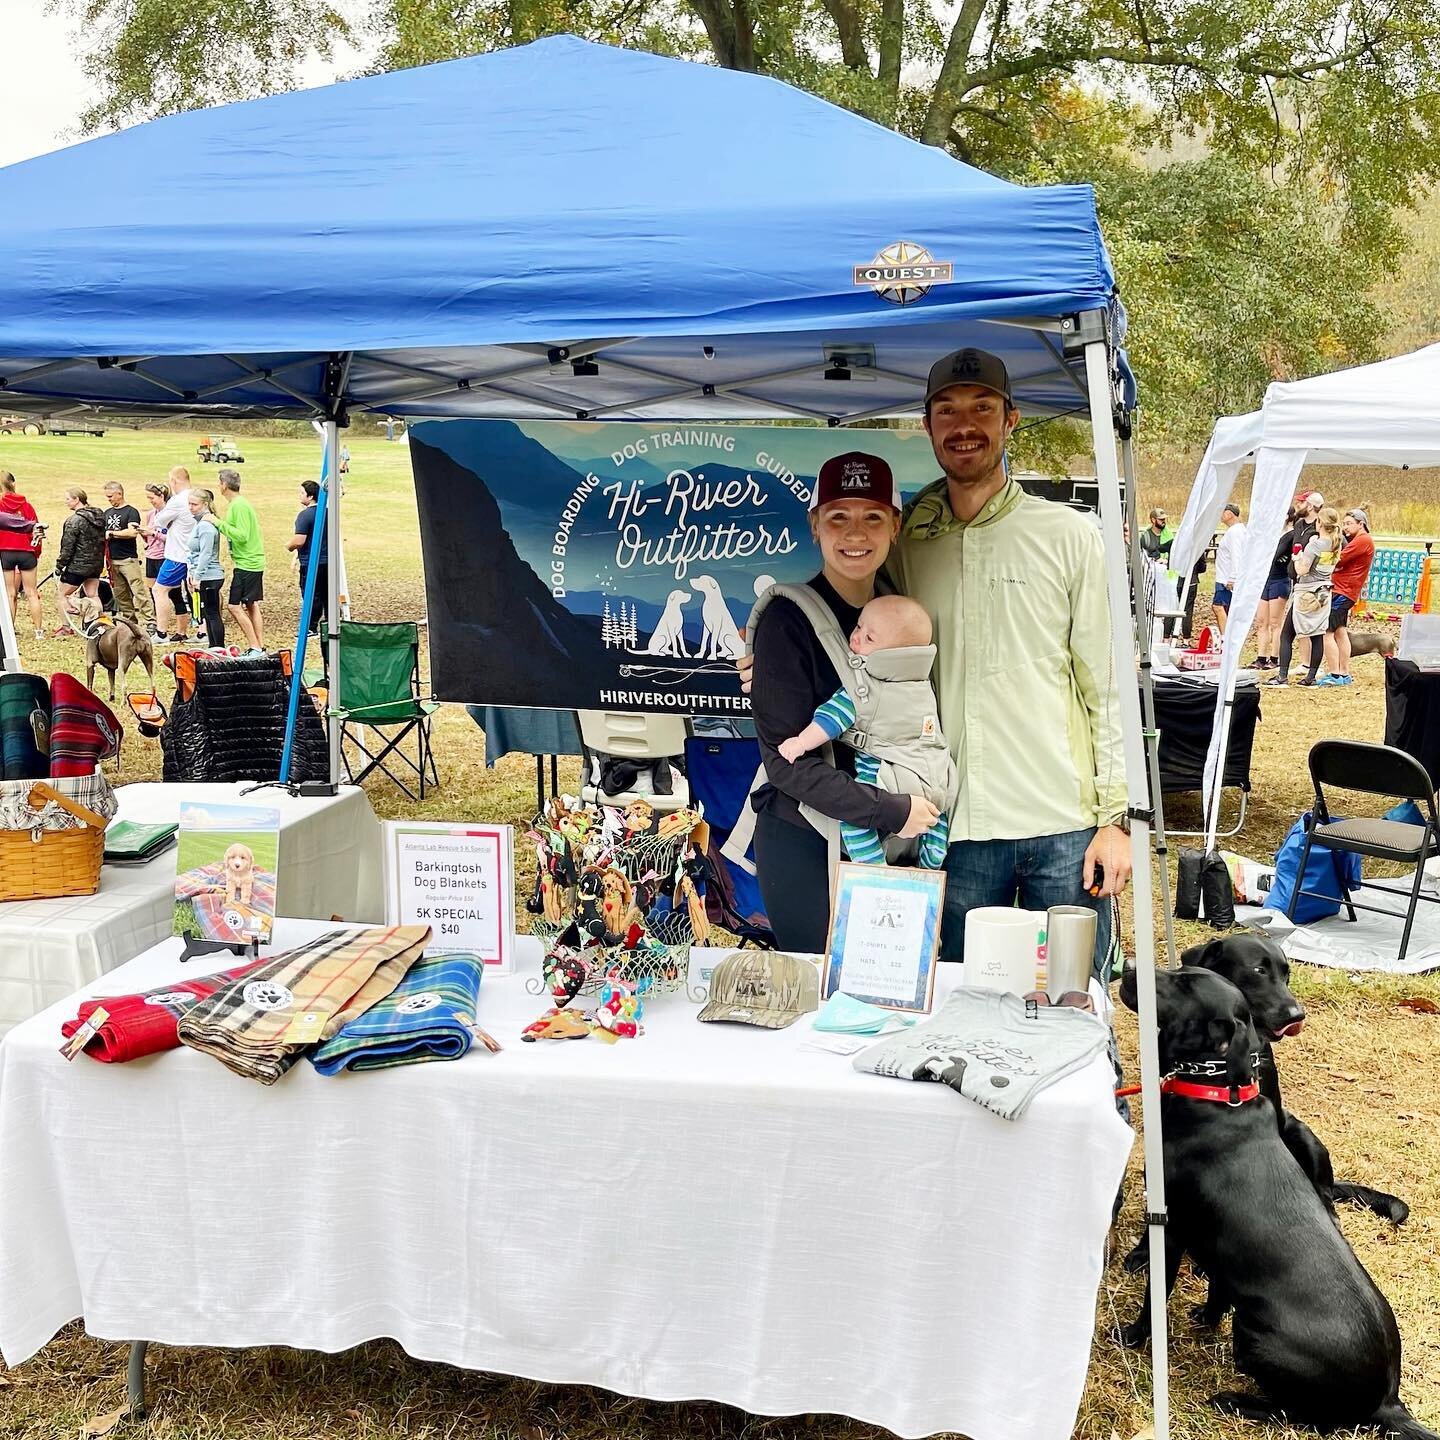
(430, 1015)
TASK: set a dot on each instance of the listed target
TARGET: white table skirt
(330, 856)
(707, 1212)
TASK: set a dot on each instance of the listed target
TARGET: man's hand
(1110, 852)
(922, 816)
(745, 664)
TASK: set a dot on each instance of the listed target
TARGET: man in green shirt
(1025, 670)
(241, 528)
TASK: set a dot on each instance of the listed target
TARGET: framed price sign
(885, 936)
(457, 879)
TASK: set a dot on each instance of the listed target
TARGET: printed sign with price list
(460, 881)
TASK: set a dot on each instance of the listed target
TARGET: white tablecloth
(330, 856)
(710, 1211)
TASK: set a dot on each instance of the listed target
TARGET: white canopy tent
(1387, 413)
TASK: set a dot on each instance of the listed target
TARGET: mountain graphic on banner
(501, 632)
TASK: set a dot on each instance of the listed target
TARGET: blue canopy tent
(560, 230)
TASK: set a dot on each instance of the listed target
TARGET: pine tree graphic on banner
(631, 634)
(607, 626)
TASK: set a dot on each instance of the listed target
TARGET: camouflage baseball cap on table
(762, 987)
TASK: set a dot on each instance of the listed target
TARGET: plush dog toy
(557, 1025)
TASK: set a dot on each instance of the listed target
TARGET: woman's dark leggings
(210, 609)
(1287, 645)
(792, 864)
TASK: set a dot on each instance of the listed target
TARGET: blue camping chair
(721, 772)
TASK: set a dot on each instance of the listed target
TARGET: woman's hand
(923, 815)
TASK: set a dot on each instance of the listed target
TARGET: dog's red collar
(1224, 1094)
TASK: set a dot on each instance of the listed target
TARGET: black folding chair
(1371, 770)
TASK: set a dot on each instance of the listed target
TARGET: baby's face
(870, 635)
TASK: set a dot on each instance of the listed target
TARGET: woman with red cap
(854, 518)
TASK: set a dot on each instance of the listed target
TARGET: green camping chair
(381, 703)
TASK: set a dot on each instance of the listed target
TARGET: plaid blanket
(83, 729)
(261, 1025)
(210, 880)
(429, 1016)
(146, 1023)
(24, 727)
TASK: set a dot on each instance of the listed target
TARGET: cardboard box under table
(706, 1212)
(330, 858)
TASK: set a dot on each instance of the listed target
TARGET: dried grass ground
(1362, 1075)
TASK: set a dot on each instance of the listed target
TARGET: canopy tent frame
(358, 323)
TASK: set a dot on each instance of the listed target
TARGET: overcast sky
(46, 88)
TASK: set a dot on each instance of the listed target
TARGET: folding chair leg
(1300, 877)
(1414, 894)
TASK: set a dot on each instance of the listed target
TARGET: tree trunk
(852, 38)
(950, 84)
(892, 45)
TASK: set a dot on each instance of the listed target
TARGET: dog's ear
(1231, 1037)
(1192, 955)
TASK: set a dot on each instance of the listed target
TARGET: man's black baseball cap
(969, 367)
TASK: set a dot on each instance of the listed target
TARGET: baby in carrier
(902, 727)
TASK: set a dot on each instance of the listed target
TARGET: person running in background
(301, 541)
(155, 497)
(172, 602)
(1274, 600)
(20, 554)
(1352, 570)
(1229, 557)
(127, 578)
(203, 563)
(240, 526)
(82, 554)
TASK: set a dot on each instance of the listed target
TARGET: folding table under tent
(1380, 414)
(566, 230)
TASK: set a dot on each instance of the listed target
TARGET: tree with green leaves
(1249, 158)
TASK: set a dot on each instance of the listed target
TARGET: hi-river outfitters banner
(609, 566)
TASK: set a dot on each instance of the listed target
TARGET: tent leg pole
(1143, 627)
(1107, 472)
(135, 1379)
(332, 599)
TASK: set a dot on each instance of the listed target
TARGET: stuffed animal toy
(677, 823)
(564, 972)
(639, 819)
(605, 905)
(557, 1025)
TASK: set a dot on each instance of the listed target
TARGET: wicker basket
(43, 864)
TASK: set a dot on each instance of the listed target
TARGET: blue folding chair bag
(721, 772)
(1323, 874)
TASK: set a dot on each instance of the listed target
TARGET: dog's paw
(1135, 1335)
(1397, 1212)
(1208, 1315)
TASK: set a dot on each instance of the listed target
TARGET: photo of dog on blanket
(1251, 1195)
(226, 867)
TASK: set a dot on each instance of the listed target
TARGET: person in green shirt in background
(241, 528)
(1025, 671)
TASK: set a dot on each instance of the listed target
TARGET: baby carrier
(897, 720)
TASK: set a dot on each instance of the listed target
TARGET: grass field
(1363, 1074)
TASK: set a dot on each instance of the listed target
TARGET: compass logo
(903, 273)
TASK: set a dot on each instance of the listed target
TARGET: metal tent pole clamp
(1143, 627)
(1093, 339)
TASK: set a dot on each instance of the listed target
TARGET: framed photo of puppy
(226, 868)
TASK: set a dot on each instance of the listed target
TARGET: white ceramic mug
(1003, 947)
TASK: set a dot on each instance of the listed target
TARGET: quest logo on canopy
(904, 272)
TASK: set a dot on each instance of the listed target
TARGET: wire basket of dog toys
(618, 893)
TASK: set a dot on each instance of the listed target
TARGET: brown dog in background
(1369, 642)
(112, 647)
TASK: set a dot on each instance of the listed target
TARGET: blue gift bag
(1323, 874)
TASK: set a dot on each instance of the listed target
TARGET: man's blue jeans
(1039, 873)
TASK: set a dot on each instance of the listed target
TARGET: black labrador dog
(1257, 967)
(1310, 1328)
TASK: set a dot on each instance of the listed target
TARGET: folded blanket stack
(24, 727)
(260, 1026)
(429, 1016)
(83, 728)
(149, 1022)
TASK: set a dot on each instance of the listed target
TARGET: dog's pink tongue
(1294, 1028)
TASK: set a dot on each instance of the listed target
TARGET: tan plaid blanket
(259, 1026)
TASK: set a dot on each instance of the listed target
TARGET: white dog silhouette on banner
(720, 640)
(668, 637)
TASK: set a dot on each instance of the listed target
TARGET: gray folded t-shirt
(992, 1048)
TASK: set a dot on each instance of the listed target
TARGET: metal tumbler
(1070, 949)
